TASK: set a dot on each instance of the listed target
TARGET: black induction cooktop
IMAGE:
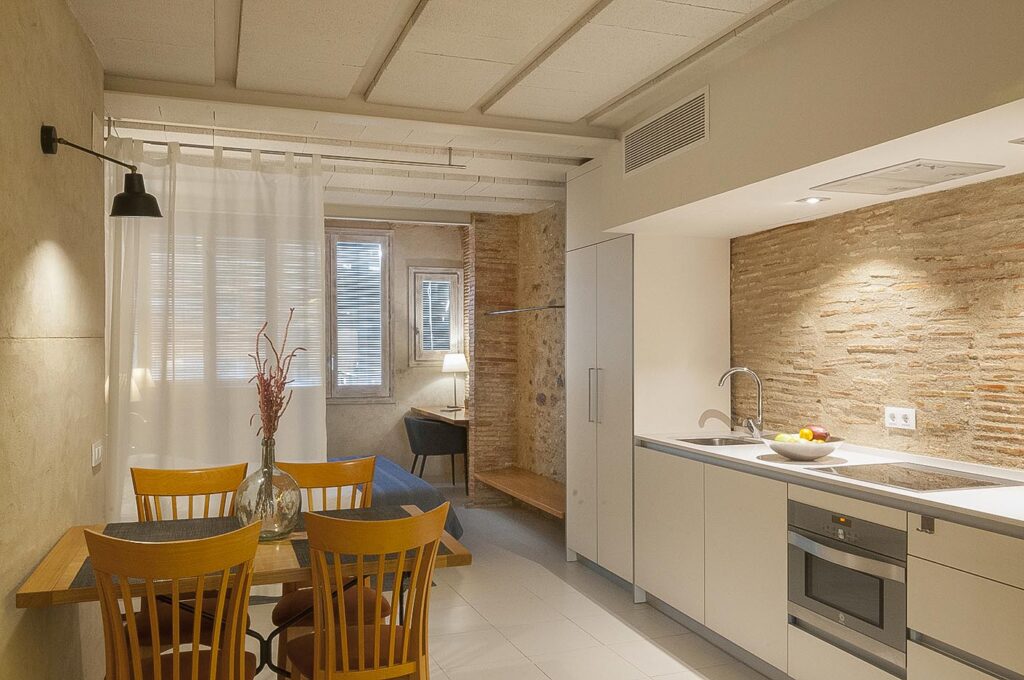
(915, 477)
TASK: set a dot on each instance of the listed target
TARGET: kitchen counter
(999, 509)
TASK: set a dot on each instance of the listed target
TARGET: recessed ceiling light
(812, 200)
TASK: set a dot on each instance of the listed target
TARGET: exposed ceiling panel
(153, 39)
(310, 47)
(625, 43)
(458, 50)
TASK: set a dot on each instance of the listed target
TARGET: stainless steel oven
(848, 584)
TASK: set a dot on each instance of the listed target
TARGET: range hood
(915, 174)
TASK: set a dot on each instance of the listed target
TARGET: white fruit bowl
(804, 450)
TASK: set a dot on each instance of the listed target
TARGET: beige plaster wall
(911, 303)
(51, 327)
(378, 428)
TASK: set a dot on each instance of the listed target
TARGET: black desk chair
(434, 438)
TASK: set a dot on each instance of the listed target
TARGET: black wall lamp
(133, 201)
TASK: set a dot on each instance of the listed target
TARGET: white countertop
(1002, 506)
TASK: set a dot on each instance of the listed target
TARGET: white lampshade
(455, 363)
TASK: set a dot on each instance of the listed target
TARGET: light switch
(901, 418)
(97, 453)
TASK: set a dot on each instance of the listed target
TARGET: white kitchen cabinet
(599, 404)
(814, 659)
(746, 561)
(924, 664)
(976, 551)
(979, 616)
(580, 424)
(669, 526)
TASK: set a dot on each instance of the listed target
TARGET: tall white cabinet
(599, 403)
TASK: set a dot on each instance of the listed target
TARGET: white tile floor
(520, 612)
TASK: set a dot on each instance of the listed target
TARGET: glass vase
(269, 495)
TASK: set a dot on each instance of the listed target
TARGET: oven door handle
(890, 572)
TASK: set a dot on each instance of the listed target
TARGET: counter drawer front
(869, 512)
(924, 664)
(809, 657)
(980, 616)
(980, 552)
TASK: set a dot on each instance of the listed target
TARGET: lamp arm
(61, 140)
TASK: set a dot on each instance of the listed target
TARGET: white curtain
(241, 242)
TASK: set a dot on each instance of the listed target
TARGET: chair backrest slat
(319, 480)
(155, 486)
(385, 555)
(219, 568)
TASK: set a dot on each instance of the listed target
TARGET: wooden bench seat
(542, 493)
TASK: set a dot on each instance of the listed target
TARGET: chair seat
(301, 649)
(185, 668)
(164, 619)
(293, 603)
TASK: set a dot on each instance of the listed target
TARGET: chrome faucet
(754, 425)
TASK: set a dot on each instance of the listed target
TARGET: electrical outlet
(901, 418)
(97, 453)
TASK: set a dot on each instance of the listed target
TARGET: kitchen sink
(719, 441)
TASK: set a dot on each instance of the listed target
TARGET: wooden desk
(50, 583)
(458, 417)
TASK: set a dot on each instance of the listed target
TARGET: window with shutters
(208, 296)
(435, 314)
(358, 285)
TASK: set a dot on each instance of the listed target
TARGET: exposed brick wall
(492, 249)
(918, 302)
(540, 384)
(516, 385)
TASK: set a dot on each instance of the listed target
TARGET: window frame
(417, 357)
(366, 394)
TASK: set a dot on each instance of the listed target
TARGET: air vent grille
(667, 133)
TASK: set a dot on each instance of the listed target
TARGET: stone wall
(540, 381)
(918, 302)
(51, 327)
(516, 384)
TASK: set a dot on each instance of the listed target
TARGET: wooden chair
(352, 482)
(346, 647)
(353, 478)
(151, 486)
(215, 489)
(218, 568)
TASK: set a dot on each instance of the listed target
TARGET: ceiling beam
(687, 61)
(416, 12)
(568, 33)
(356, 109)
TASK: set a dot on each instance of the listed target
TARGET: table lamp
(455, 363)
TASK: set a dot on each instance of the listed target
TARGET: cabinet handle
(927, 525)
(590, 395)
(597, 395)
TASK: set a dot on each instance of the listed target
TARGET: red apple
(819, 432)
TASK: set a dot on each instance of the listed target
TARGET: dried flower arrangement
(272, 379)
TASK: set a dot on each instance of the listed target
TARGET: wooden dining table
(62, 576)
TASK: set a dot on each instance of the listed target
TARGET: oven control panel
(866, 535)
(841, 529)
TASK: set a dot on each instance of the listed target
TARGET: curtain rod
(500, 312)
(330, 157)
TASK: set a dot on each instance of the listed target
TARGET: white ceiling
(337, 41)
(152, 39)
(544, 60)
(982, 138)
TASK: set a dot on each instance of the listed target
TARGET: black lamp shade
(134, 201)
